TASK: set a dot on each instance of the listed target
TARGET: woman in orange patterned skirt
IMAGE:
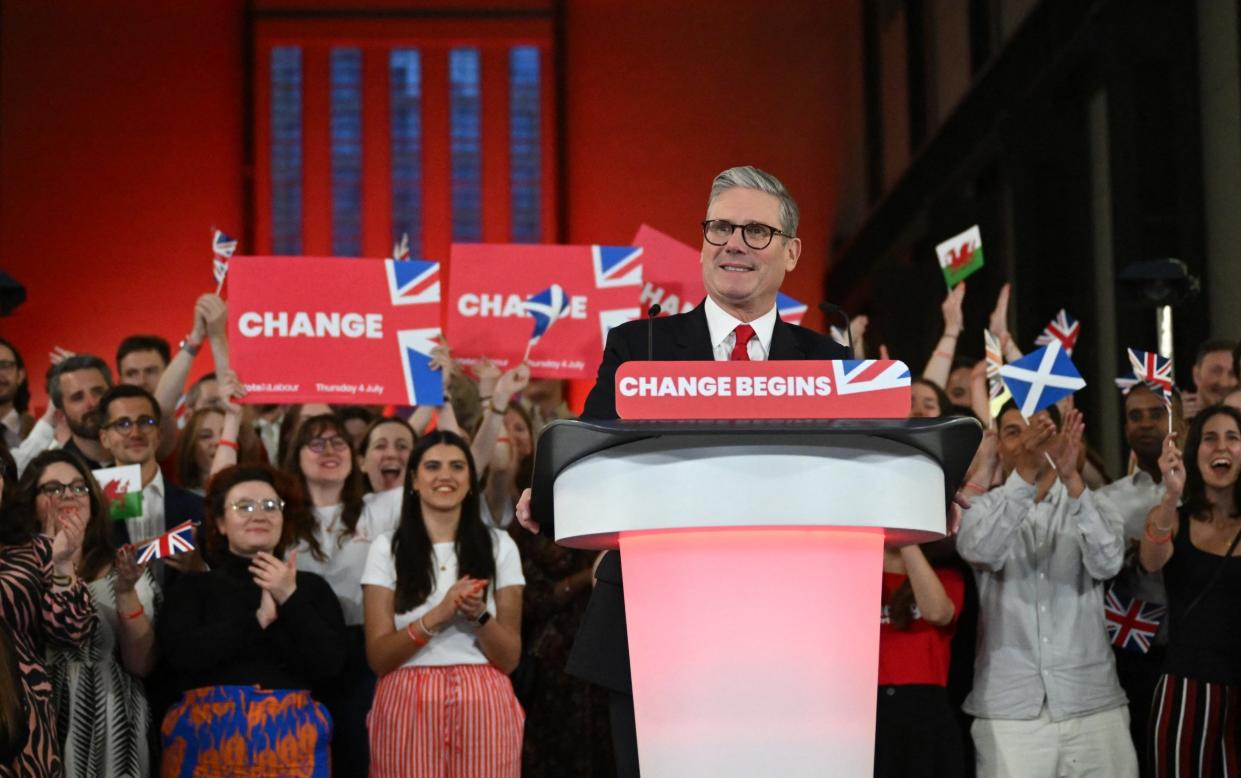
(249, 639)
(442, 600)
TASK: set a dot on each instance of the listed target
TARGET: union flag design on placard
(869, 375)
(413, 281)
(490, 313)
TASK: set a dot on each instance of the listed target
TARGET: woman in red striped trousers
(1194, 714)
(442, 599)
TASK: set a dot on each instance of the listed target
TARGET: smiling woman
(1195, 546)
(249, 639)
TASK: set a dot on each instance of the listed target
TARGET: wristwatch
(483, 619)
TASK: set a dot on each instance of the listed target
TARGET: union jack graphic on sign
(788, 309)
(177, 540)
(413, 281)
(869, 375)
(616, 266)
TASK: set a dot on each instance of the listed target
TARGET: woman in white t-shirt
(322, 460)
(443, 627)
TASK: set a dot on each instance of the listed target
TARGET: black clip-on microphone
(831, 308)
(651, 313)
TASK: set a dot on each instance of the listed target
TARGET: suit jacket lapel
(783, 344)
(692, 338)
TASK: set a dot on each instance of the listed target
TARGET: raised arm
(1163, 521)
(1100, 526)
(940, 364)
(226, 454)
(509, 385)
(998, 324)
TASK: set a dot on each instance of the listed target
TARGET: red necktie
(741, 352)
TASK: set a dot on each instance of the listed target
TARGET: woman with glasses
(42, 601)
(443, 627)
(97, 688)
(249, 640)
(322, 460)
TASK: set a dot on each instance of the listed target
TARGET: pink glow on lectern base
(754, 652)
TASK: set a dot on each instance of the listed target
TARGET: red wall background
(121, 141)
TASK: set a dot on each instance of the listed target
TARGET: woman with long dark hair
(97, 689)
(43, 603)
(249, 640)
(1194, 712)
(322, 460)
(443, 620)
(196, 447)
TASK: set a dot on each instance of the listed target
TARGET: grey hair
(71, 365)
(750, 177)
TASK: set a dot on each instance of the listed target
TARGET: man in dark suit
(129, 429)
(749, 243)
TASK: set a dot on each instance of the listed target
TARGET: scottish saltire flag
(788, 309)
(413, 281)
(545, 308)
(960, 255)
(222, 248)
(1063, 328)
(1131, 623)
(616, 266)
(177, 540)
(1151, 369)
(997, 392)
(122, 490)
(869, 375)
(400, 249)
(1041, 377)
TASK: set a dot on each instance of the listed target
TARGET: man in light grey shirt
(1045, 697)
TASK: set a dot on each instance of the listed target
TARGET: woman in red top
(916, 729)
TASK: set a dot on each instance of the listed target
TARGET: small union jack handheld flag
(177, 540)
(545, 308)
(789, 310)
(222, 249)
(1131, 623)
(1063, 328)
(1155, 372)
(997, 392)
(400, 249)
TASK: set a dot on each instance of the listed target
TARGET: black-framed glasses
(756, 235)
(319, 445)
(250, 507)
(125, 424)
(57, 489)
(8, 364)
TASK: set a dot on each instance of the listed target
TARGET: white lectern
(752, 557)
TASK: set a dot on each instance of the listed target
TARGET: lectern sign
(811, 389)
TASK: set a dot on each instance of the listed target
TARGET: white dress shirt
(721, 324)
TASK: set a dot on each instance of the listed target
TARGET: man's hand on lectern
(523, 512)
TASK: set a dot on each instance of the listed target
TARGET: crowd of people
(360, 600)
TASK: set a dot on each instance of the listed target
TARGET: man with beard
(15, 423)
(75, 386)
(1134, 495)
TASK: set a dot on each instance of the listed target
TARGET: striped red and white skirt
(456, 721)
(1193, 729)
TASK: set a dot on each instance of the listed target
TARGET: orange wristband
(130, 616)
(230, 444)
(419, 640)
(1157, 541)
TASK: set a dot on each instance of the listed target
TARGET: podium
(752, 559)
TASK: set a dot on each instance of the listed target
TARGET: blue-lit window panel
(346, 138)
(524, 144)
(465, 144)
(405, 130)
(286, 149)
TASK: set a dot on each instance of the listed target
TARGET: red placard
(319, 329)
(810, 389)
(491, 283)
(673, 272)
